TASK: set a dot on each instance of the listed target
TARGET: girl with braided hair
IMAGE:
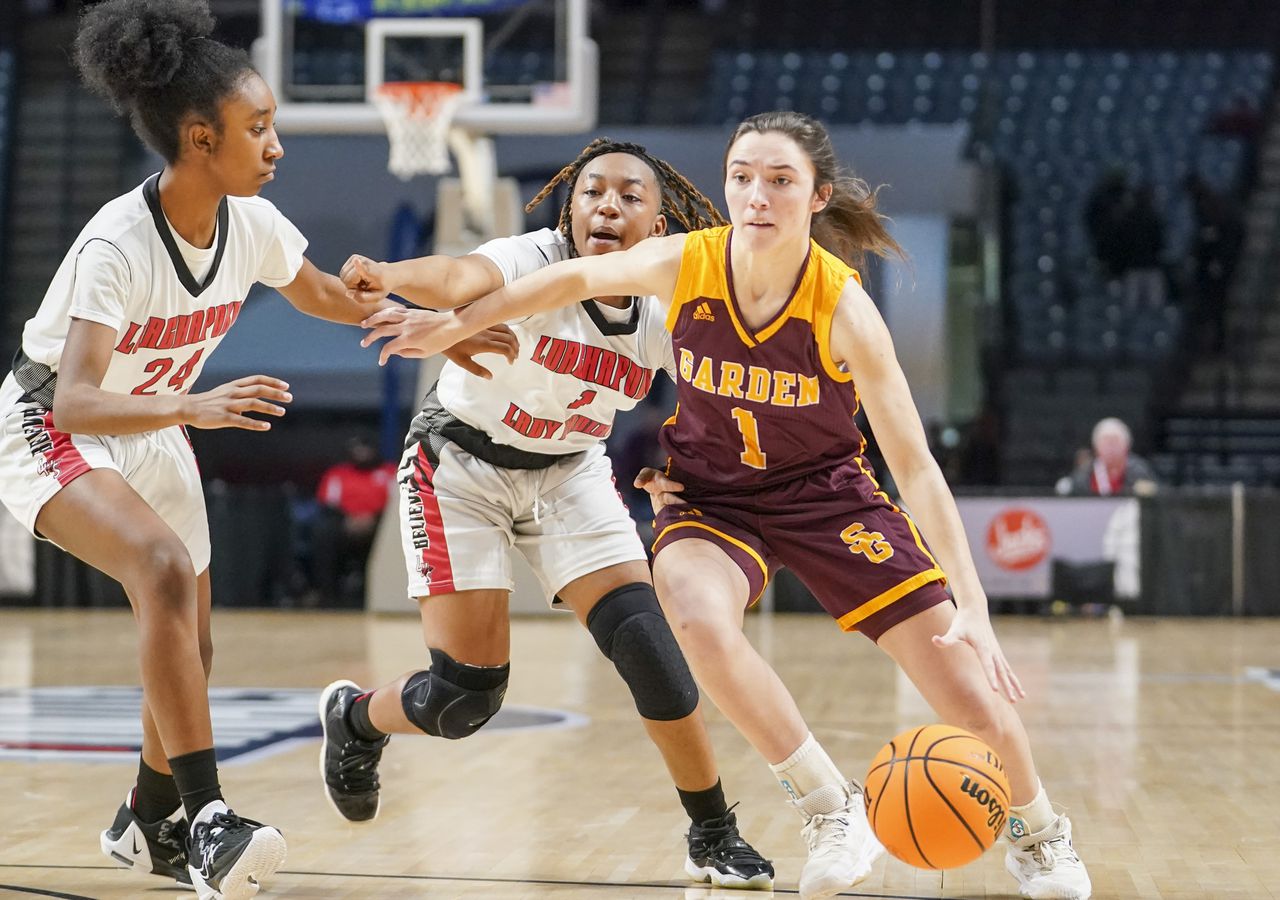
(514, 456)
(778, 347)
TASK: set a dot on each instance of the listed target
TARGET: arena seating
(6, 125)
(1056, 122)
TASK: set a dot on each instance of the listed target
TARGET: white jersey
(170, 303)
(578, 365)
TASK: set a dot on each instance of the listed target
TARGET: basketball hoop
(418, 115)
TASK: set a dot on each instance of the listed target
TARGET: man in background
(1112, 470)
(351, 495)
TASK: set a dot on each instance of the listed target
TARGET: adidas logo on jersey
(704, 312)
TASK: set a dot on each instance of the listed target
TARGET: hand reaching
(498, 339)
(975, 630)
(663, 491)
(225, 406)
(413, 333)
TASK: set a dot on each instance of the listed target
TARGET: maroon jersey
(757, 406)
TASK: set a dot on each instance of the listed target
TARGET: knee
(697, 629)
(164, 579)
(631, 632)
(451, 699)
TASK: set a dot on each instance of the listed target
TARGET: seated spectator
(352, 495)
(1112, 470)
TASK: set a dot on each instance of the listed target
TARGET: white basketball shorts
(37, 461)
(460, 516)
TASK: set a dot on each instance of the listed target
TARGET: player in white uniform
(93, 452)
(518, 460)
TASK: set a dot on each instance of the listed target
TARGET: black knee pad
(452, 699)
(632, 633)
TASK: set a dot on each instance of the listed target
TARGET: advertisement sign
(1014, 540)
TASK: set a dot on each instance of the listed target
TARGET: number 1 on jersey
(752, 456)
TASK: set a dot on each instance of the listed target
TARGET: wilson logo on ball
(995, 809)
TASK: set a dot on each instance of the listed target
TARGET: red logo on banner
(1018, 539)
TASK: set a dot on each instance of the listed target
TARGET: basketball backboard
(528, 66)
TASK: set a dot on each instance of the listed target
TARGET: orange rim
(420, 98)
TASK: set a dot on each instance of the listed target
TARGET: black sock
(358, 719)
(703, 805)
(196, 776)
(156, 795)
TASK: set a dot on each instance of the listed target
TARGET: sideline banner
(1014, 540)
(344, 12)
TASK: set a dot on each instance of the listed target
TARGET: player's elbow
(68, 411)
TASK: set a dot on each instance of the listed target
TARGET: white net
(418, 116)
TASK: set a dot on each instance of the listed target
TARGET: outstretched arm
(436, 282)
(650, 267)
(322, 295)
(861, 341)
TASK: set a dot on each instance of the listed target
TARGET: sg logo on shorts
(870, 544)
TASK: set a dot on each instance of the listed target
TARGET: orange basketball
(937, 797)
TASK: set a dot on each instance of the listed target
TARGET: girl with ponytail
(93, 451)
(777, 347)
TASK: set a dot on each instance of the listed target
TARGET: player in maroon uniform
(771, 333)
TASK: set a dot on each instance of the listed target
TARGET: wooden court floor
(1160, 737)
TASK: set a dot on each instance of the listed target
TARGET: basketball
(937, 797)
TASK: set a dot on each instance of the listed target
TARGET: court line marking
(40, 892)
(550, 882)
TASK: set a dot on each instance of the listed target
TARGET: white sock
(806, 770)
(1032, 817)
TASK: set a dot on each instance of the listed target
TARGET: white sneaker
(841, 845)
(1047, 866)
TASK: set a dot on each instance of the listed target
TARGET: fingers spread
(382, 331)
(385, 316)
(398, 348)
(262, 406)
(248, 424)
(264, 380)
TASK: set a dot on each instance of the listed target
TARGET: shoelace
(1064, 851)
(1047, 852)
(723, 840)
(358, 766)
(222, 820)
(814, 833)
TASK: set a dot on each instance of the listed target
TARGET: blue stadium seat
(1063, 119)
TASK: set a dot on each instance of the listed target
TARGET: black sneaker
(348, 765)
(156, 847)
(718, 854)
(229, 857)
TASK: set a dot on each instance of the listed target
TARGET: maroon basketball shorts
(860, 556)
